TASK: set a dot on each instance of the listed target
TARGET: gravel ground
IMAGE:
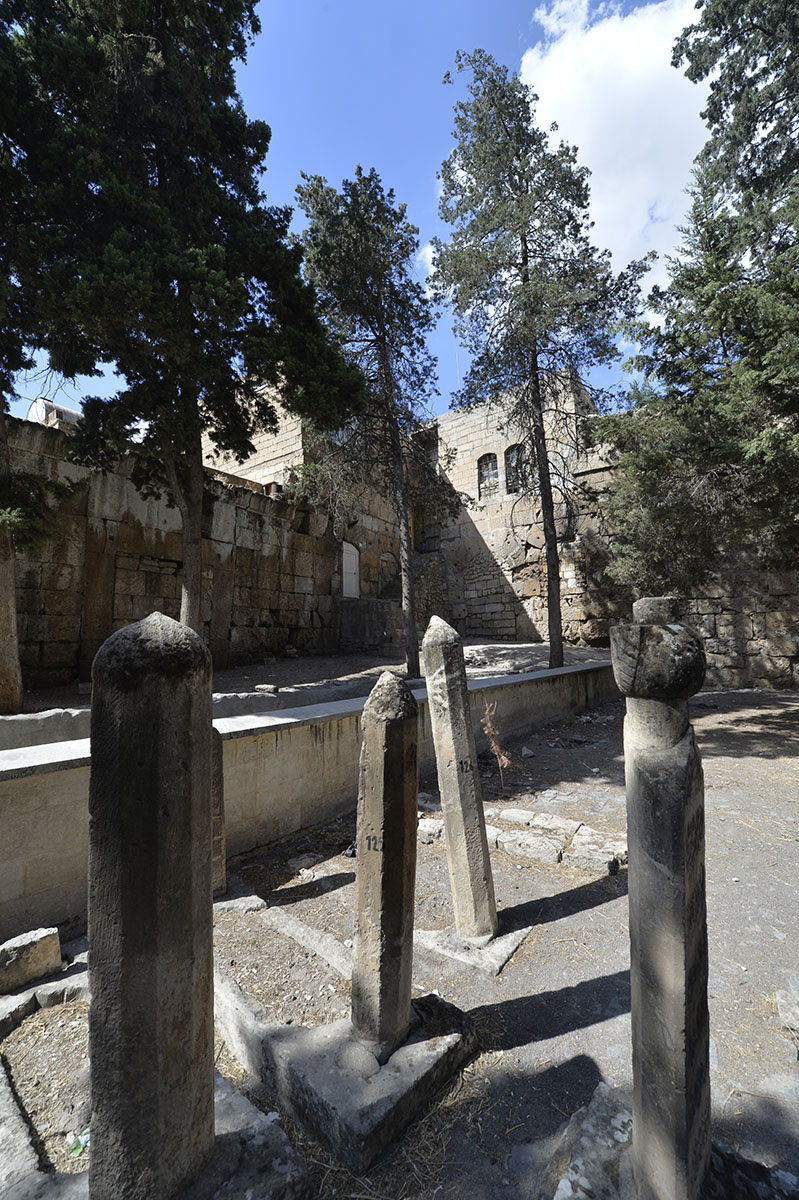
(556, 1020)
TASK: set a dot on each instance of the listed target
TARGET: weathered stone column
(150, 923)
(386, 858)
(468, 860)
(658, 664)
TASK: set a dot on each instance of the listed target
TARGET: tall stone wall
(271, 570)
(493, 551)
(273, 456)
(749, 622)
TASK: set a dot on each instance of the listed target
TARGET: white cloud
(608, 82)
(424, 259)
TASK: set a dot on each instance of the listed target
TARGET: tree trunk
(554, 619)
(187, 489)
(10, 673)
(412, 666)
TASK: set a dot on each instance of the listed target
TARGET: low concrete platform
(490, 958)
(331, 1084)
(337, 1090)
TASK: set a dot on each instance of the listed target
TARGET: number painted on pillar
(465, 766)
(373, 843)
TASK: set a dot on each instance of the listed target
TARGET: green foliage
(27, 503)
(360, 253)
(748, 52)
(535, 302)
(153, 248)
(709, 459)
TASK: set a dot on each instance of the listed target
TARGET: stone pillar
(470, 877)
(658, 664)
(150, 923)
(386, 857)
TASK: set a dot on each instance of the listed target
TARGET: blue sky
(348, 82)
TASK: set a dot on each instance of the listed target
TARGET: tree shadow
(755, 724)
(758, 1129)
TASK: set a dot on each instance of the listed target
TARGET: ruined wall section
(271, 570)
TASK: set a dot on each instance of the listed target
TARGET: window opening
(515, 468)
(487, 476)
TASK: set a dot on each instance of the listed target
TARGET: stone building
(279, 575)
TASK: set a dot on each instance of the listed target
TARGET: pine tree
(710, 456)
(360, 253)
(534, 300)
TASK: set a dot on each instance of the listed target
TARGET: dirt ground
(556, 1020)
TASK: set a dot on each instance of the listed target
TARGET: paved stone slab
(595, 1170)
(14, 1010)
(252, 1156)
(238, 897)
(492, 836)
(69, 984)
(429, 828)
(523, 843)
(552, 823)
(490, 958)
(338, 1091)
(30, 956)
(72, 984)
(51, 1187)
(593, 850)
(243, 1023)
(788, 1008)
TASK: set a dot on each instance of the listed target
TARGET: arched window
(487, 476)
(515, 468)
(350, 570)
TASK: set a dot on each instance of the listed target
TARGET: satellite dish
(37, 411)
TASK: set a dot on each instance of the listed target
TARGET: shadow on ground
(755, 724)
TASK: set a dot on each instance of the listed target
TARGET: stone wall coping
(44, 759)
(66, 756)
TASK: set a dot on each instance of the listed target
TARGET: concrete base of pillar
(333, 1085)
(490, 958)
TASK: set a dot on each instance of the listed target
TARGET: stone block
(64, 603)
(60, 655)
(30, 956)
(526, 844)
(592, 850)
